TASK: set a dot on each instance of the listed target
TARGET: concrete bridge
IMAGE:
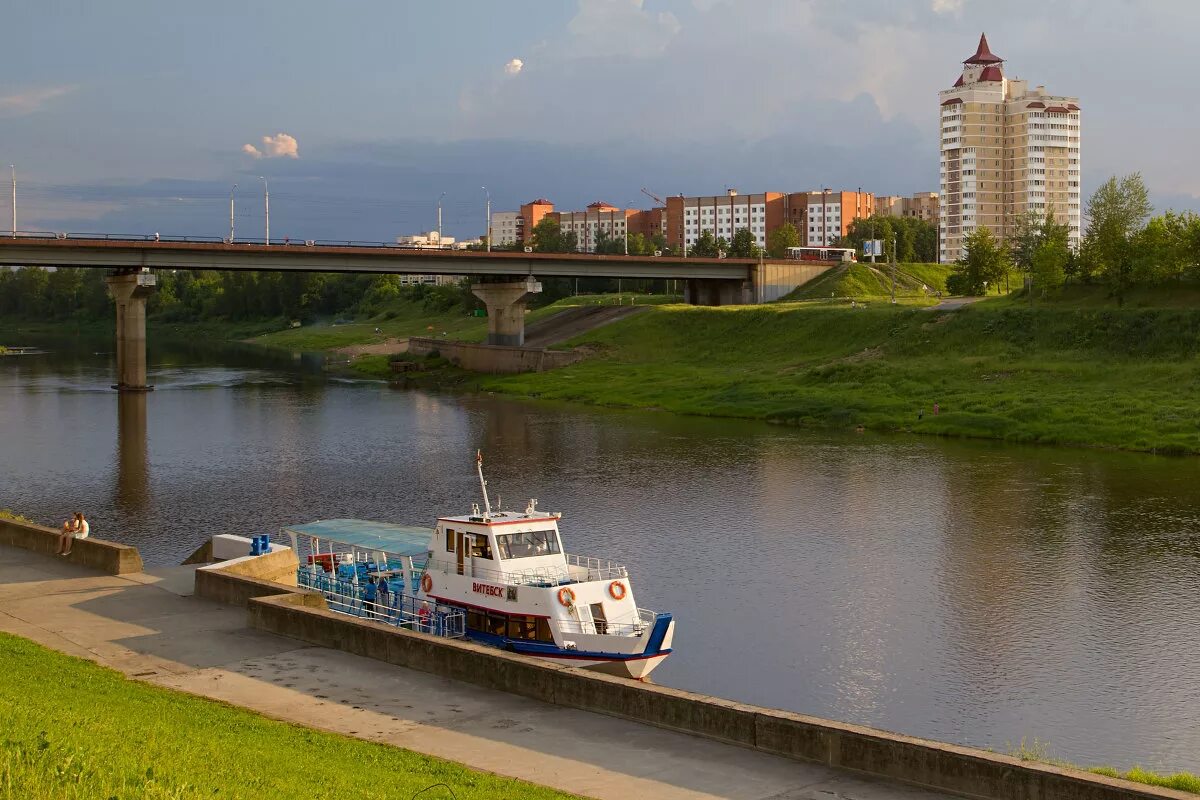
(505, 280)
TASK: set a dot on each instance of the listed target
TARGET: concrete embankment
(919, 762)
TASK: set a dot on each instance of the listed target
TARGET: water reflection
(132, 491)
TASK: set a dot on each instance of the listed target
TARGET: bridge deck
(301, 257)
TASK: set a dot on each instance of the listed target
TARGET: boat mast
(487, 506)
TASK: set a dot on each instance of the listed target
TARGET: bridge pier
(130, 290)
(717, 292)
(505, 301)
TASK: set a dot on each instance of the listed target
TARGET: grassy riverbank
(1123, 378)
(76, 731)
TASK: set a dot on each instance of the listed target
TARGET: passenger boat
(499, 577)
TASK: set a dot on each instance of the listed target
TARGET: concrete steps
(573, 322)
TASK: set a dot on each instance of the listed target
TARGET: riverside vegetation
(63, 741)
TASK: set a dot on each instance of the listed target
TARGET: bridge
(505, 280)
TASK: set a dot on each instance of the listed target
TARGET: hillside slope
(865, 281)
(1115, 378)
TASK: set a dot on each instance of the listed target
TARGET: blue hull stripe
(553, 651)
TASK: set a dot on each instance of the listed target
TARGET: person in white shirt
(75, 528)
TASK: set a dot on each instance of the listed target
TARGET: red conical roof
(959, 82)
(983, 55)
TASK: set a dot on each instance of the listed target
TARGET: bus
(822, 253)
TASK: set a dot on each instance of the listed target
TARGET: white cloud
(947, 6)
(605, 28)
(514, 66)
(31, 101)
(281, 145)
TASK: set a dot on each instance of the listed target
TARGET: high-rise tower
(1006, 150)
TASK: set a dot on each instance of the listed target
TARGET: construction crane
(653, 196)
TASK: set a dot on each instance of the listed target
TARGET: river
(969, 592)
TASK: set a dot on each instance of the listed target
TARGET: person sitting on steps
(75, 528)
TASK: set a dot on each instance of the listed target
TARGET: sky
(139, 116)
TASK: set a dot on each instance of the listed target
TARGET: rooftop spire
(983, 54)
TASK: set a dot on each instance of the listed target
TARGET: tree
(781, 239)
(1050, 256)
(547, 237)
(984, 261)
(705, 246)
(1116, 214)
(744, 245)
(1025, 239)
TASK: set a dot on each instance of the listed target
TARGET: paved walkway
(151, 628)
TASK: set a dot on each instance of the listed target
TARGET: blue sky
(134, 117)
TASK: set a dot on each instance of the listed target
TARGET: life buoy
(616, 590)
(426, 583)
(566, 596)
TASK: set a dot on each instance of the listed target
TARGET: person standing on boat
(385, 606)
(75, 528)
(370, 592)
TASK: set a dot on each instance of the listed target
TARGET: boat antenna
(487, 506)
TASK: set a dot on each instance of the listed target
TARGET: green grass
(916, 284)
(1040, 752)
(1111, 378)
(8, 513)
(77, 731)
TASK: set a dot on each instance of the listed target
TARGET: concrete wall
(960, 770)
(109, 557)
(494, 358)
(235, 582)
(773, 280)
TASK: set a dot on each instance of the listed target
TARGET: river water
(973, 593)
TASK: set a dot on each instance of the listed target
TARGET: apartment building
(823, 216)
(507, 228)
(723, 215)
(1006, 150)
(922, 205)
(531, 214)
(599, 218)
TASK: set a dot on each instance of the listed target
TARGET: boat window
(496, 624)
(524, 545)
(449, 540)
(543, 631)
(481, 547)
(522, 627)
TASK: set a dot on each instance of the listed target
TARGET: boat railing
(533, 576)
(598, 569)
(641, 622)
(400, 609)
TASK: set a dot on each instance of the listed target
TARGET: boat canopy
(401, 540)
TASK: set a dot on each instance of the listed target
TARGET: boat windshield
(524, 545)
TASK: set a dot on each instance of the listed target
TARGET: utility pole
(893, 269)
(13, 167)
(232, 192)
(440, 218)
(266, 208)
(489, 217)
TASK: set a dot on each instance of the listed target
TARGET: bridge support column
(505, 301)
(130, 291)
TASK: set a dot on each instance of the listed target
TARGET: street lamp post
(13, 167)
(232, 192)
(489, 217)
(630, 207)
(443, 196)
(266, 208)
